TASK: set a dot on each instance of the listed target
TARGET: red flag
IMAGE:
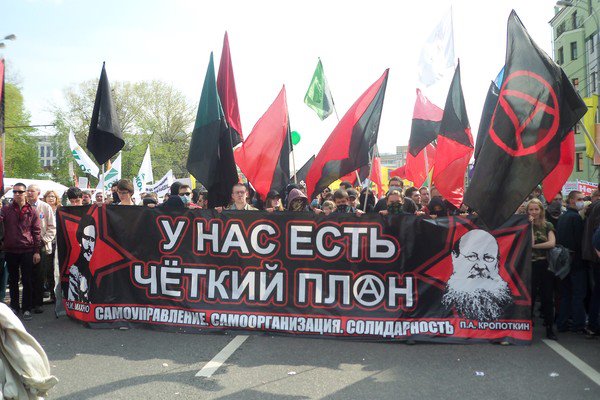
(454, 146)
(228, 94)
(351, 177)
(417, 168)
(376, 175)
(554, 181)
(350, 144)
(264, 155)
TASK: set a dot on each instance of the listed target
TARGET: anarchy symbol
(546, 134)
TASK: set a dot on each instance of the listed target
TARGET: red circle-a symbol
(546, 133)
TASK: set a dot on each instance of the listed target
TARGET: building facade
(575, 28)
(395, 160)
(46, 151)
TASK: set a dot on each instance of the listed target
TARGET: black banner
(369, 277)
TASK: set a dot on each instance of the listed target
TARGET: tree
(21, 158)
(152, 113)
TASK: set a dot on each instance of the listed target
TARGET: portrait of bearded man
(475, 289)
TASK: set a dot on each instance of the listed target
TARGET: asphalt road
(148, 364)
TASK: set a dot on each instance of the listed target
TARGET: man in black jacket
(569, 232)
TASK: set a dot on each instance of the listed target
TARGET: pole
(596, 149)
(102, 181)
(369, 179)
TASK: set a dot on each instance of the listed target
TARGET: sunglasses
(185, 194)
(18, 191)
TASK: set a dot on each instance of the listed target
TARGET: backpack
(559, 261)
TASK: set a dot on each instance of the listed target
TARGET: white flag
(145, 174)
(163, 185)
(112, 175)
(437, 55)
(83, 160)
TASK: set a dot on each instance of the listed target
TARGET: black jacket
(569, 233)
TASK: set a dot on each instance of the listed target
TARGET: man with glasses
(238, 195)
(48, 232)
(185, 193)
(475, 289)
(22, 244)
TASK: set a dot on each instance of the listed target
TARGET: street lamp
(7, 37)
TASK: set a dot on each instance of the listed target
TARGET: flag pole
(102, 181)
(369, 179)
(596, 149)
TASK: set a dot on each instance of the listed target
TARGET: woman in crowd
(51, 197)
(542, 279)
(273, 201)
(125, 191)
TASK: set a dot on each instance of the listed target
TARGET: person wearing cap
(273, 201)
(395, 183)
(353, 198)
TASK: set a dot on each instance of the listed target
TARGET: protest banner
(370, 277)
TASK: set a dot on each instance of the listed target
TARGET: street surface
(148, 364)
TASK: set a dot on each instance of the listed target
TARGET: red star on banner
(437, 270)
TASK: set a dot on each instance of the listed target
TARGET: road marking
(574, 360)
(213, 365)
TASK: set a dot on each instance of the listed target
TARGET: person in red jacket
(22, 244)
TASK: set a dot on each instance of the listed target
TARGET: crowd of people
(569, 297)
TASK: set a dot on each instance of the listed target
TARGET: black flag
(105, 138)
(537, 106)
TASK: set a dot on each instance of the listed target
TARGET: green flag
(318, 97)
(210, 159)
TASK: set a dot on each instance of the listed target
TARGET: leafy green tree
(21, 159)
(151, 112)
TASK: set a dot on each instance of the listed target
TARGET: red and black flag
(536, 109)
(228, 94)
(350, 144)
(491, 99)
(425, 124)
(303, 171)
(210, 159)
(264, 157)
(2, 88)
(454, 145)
(105, 138)
(417, 168)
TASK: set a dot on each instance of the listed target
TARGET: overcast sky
(63, 42)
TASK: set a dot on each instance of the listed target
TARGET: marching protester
(75, 196)
(367, 196)
(239, 197)
(273, 201)
(125, 192)
(185, 194)
(342, 203)
(86, 198)
(425, 197)
(394, 183)
(414, 194)
(328, 207)
(353, 198)
(590, 247)
(573, 288)
(22, 246)
(541, 278)
(393, 203)
(48, 232)
(297, 201)
(99, 198)
(173, 200)
(149, 199)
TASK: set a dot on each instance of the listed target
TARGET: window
(579, 161)
(560, 30)
(574, 20)
(591, 42)
(41, 151)
(560, 57)
(573, 50)
(593, 82)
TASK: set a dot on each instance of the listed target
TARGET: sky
(61, 43)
